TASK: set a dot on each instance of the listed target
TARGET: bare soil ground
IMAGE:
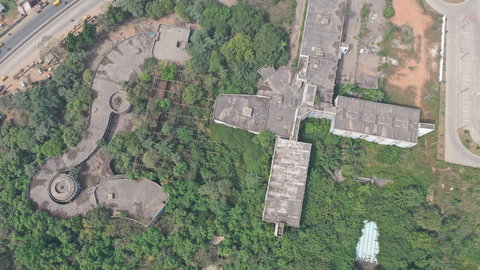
(418, 68)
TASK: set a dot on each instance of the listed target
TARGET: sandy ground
(415, 71)
(297, 25)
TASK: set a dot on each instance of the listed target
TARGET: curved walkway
(143, 198)
(462, 82)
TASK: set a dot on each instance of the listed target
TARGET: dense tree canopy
(134, 7)
(159, 8)
(83, 40)
(112, 17)
(216, 176)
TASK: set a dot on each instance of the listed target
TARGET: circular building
(119, 103)
(63, 188)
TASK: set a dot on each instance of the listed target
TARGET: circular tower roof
(119, 103)
(63, 188)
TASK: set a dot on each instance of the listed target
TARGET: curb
(12, 26)
(39, 29)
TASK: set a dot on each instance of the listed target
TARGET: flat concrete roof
(171, 43)
(288, 179)
(142, 198)
(242, 111)
(273, 109)
(285, 98)
(322, 72)
(379, 119)
(320, 46)
(323, 28)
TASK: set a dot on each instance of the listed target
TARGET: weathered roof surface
(322, 72)
(273, 109)
(285, 98)
(323, 28)
(242, 111)
(320, 45)
(379, 119)
(368, 247)
(142, 198)
(171, 43)
(286, 186)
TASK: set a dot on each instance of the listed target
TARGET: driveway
(462, 77)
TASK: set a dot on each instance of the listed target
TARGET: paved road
(462, 77)
(28, 26)
(34, 30)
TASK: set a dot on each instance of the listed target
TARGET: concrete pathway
(141, 198)
(462, 77)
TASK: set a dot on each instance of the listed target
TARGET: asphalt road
(30, 35)
(462, 77)
(29, 25)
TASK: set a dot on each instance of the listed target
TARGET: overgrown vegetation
(10, 11)
(217, 176)
(388, 11)
(53, 112)
(81, 41)
(112, 17)
(352, 90)
(364, 17)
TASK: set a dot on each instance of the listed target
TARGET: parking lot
(462, 82)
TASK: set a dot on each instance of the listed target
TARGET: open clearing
(419, 67)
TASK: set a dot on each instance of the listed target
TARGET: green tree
(54, 146)
(271, 45)
(388, 11)
(138, 93)
(150, 159)
(145, 77)
(87, 76)
(88, 34)
(113, 16)
(192, 94)
(163, 104)
(238, 49)
(182, 9)
(134, 7)
(159, 8)
(81, 41)
(265, 138)
(169, 72)
(246, 19)
(150, 63)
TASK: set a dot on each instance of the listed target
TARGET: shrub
(388, 11)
